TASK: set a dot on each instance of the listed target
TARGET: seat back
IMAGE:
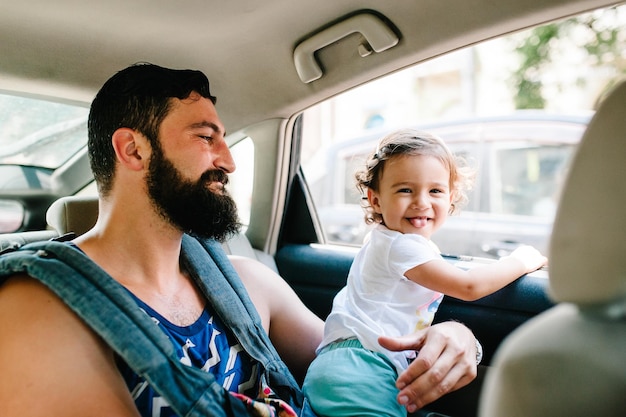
(73, 214)
(67, 214)
(571, 360)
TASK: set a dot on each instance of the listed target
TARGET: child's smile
(419, 222)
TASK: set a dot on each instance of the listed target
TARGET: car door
(316, 263)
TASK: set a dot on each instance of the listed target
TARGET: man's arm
(447, 359)
(446, 362)
(295, 330)
(52, 364)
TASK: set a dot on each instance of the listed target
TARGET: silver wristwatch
(479, 352)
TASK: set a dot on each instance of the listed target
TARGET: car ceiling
(68, 48)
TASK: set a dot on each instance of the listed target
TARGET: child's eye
(404, 190)
(436, 191)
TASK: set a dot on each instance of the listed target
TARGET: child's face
(414, 194)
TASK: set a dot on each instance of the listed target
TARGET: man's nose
(224, 159)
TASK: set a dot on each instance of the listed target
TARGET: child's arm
(482, 280)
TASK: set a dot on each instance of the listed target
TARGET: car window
(515, 108)
(36, 137)
(241, 180)
(529, 176)
(40, 133)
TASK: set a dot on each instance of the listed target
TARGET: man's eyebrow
(210, 125)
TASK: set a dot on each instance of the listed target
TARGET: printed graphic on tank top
(206, 345)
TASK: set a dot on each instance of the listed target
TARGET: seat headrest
(587, 259)
(73, 214)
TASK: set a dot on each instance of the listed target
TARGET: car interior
(582, 338)
(553, 340)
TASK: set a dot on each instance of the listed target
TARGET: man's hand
(446, 362)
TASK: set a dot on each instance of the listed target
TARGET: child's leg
(347, 380)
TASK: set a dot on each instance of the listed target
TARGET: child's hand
(530, 257)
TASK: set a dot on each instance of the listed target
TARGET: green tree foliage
(597, 34)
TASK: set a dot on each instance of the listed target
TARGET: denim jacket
(111, 312)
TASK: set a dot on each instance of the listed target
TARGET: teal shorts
(348, 380)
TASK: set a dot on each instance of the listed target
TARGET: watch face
(479, 352)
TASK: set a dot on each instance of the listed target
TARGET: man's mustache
(214, 175)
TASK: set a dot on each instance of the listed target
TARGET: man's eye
(207, 138)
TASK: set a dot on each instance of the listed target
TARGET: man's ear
(372, 197)
(131, 148)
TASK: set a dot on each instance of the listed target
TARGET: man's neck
(144, 256)
(140, 247)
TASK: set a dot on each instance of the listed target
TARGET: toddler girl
(398, 278)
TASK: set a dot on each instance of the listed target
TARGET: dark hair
(138, 98)
(412, 142)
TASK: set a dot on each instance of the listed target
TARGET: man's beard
(191, 206)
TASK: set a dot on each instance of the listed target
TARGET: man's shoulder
(254, 273)
(39, 332)
(25, 301)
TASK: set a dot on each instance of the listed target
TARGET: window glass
(36, 136)
(514, 108)
(40, 133)
(240, 181)
(529, 178)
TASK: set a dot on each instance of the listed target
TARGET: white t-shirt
(378, 299)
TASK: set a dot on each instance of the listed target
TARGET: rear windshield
(40, 133)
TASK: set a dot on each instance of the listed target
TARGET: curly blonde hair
(412, 142)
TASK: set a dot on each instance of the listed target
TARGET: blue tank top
(205, 344)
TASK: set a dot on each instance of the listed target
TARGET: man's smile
(216, 187)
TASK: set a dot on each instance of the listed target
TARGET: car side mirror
(11, 215)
